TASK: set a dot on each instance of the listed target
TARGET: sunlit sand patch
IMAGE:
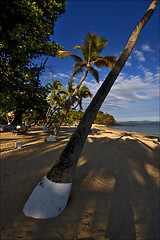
(81, 162)
(90, 140)
(138, 177)
(127, 137)
(153, 171)
(150, 143)
(99, 182)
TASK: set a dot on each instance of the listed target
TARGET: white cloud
(128, 64)
(146, 48)
(148, 75)
(127, 90)
(139, 55)
(61, 75)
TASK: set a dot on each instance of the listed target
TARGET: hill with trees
(105, 118)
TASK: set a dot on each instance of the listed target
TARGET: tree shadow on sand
(114, 193)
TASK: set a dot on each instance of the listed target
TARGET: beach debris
(47, 200)
(51, 138)
(18, 145)
(20, 129)
(44, 127)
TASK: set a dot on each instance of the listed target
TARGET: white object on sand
(18, 145)
(51, 138)
(44, 127)
(47, 200)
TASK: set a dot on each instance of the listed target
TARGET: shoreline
(124, 131)
(115, 192)
(112, 127)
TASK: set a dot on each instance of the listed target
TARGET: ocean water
(139, 127)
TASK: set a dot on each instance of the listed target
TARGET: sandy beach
(115, 193)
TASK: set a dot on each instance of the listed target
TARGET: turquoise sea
(139, 127)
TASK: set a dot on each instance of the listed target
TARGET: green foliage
(91, 48)
(73, 117)
(59, 97)
(105, 118)
(33, 116)
(26, 28)
(102, 118)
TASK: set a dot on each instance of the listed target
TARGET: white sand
(115, 193)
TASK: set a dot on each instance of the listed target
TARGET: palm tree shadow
(135, 192)
(121, 223)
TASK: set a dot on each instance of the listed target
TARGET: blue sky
(135, 94)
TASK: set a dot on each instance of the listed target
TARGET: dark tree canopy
(26, 28)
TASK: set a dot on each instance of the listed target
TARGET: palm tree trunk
(48, 112)
(70, 102)
(63, 170)
(48, 121)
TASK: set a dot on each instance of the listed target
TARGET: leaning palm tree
(50, 197)
(91, 49)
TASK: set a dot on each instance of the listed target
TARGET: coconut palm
(83, 92)
(56, 91)
(61, 175)
(59, 99)
(91, 49)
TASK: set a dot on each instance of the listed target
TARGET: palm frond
(84, 92)
(111, 58)
(107, 61)
(63, 91)
(95, 73)
(77, 47)
(93, 45)
(77, 70)
(80, 64)
(63, 54)
(70, 88)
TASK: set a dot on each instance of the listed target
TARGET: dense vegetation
(59, 98)
(105, 118)
(91, 48)
(26, 28)
(102, 118)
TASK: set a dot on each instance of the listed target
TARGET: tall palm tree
(61, 175)
(56, 90)
(91, 49)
